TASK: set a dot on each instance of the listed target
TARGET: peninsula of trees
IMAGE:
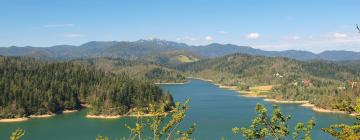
(32, 87)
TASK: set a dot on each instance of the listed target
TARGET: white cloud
(311, 42)
(339, 35)
(73, 35)
(59, 25)
(344, 38)
(209, 38)
(252, 36)
(315, 43)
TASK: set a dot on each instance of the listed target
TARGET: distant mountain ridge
(143, 49)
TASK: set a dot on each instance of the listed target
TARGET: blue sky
(313, 25)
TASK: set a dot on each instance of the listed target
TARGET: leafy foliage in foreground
(30, 87)
(17, 134)
(161, 125)
(344, 131)
(275, 127)
(262, 127)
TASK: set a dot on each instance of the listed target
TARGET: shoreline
(285, 102)
(170, 83)
(85, 105)
(14, 120)
(69, 111)
(251, 94)
(228, 87)
(322, 110)
(308, 105)
(118, 116)
(207, 80)
(42, 116)
(103, 116)
(313, 107)
(318, 109)
(10, 120)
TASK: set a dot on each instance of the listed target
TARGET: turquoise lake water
(214, 110)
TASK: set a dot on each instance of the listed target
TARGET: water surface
(214, 110)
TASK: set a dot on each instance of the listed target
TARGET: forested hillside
(355, 65)
(30, 87)
(115, 86)
(138, 69)
(316, 81)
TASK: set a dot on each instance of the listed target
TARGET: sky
(312, 25)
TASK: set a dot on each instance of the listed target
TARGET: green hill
(30, 87)
(315, 81)
(137, 69)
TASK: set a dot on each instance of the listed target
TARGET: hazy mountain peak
(158, 47)
(160, 42)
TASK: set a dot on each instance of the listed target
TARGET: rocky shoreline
(103, 116)
(69, 111)
(286, 102)
(170, 83)
(119, 116)
(22, 119)
(25, 118)
(42, 116)
(13, 120)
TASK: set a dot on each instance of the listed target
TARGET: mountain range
(164, 51)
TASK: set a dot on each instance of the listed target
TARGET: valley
(230, 110)
(179, 70)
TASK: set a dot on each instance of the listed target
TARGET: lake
(214, 110)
